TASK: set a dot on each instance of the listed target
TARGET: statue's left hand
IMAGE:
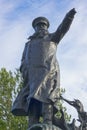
(72, 12)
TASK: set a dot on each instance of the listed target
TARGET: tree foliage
(10, 85)
(60, 106)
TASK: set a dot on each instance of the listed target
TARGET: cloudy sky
(15, 27)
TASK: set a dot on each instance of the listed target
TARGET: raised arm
(64, 26)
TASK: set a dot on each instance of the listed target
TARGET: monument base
(43, 127)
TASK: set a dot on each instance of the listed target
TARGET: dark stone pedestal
(43, 127)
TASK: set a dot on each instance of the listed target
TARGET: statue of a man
(40, 70)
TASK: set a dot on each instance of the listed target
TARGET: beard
(39, 34)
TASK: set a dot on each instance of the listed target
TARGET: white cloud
(73, 57)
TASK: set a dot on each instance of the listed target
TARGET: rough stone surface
(43, 127)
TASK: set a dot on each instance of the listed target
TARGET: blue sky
(16, 26)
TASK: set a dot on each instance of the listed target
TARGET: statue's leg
(34, 113)
(47, 113)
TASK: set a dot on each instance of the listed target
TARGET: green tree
(10, 84)
(60, 106)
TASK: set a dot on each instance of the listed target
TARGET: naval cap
(40, 20)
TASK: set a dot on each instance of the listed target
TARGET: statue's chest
(42, 45)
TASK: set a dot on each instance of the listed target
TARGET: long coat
(40, 69)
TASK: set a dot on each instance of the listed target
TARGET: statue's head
(40, 23)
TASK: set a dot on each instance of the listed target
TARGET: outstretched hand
(72, 12)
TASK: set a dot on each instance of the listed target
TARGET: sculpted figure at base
(82, 115)
(40, 71)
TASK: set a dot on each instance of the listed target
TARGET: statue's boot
(34, 113)
(33, 120)
(47, 113)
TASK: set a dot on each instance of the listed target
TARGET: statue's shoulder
(27, 43)
(51, 34)
(51, 37)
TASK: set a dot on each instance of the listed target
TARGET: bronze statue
(40, 71)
